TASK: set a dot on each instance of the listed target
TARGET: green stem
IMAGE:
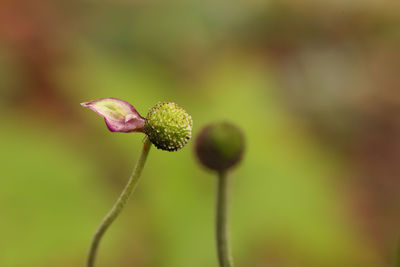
(119, 205)
(398, 254)
(222, 225)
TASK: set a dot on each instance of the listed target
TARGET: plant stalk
(222, 225)
(398, 254)
(120, 204)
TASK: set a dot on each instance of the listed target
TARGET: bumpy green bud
(168, 126)
(220, 146)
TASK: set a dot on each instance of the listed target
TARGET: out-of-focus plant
(398, 254)
(220, 147)
(167, 126)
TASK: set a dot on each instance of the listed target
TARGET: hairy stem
(222, 225)
(119, 205)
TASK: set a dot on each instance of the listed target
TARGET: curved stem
(222, 225)
(119, 205)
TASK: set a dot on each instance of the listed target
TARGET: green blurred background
(315, 85)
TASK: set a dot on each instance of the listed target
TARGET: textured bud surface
(168, 126)
(220, 146)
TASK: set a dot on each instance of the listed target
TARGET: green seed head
(220, 146)
(168, 126)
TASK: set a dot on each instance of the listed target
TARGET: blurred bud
(168, 126)
(220, 146)
(120, 116)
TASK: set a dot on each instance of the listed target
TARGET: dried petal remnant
(119, 115)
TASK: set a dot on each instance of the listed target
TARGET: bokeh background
(315, 85)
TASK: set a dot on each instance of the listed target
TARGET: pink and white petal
(119, 115)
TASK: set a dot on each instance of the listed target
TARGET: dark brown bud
(220, 146)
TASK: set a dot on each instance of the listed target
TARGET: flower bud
(168, 126)
(220, 146)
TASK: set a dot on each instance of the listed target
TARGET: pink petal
(120, 116)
